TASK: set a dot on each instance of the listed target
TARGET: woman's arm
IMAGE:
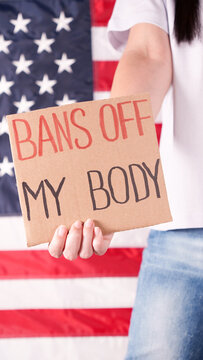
(145, 66)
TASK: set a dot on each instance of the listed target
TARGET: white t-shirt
(181, 143)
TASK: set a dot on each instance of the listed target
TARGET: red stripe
(101, 11)
(158, 131)
(103, 74)
(39, 264)
(64, 322)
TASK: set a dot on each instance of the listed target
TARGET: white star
(65, 100)
(65, 63)
(3, 126)
(63, 22)
(22, 65)
(23, 105)
(20, 23)
(44, 43)
(6, 167)
(5, 85)
(46, 85)
(4, 44)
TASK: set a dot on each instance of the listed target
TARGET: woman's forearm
(137, 73)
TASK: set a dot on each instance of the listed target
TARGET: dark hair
(187, 23)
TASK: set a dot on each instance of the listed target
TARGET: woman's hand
(81, 240)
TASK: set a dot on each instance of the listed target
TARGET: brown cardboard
(96, 159)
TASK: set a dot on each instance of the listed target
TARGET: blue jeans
(167, 319)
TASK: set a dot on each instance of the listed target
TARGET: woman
(162, 49)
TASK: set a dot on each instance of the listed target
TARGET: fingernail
(77, 224)
(88, 223)
(61, 230)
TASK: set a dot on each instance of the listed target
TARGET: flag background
(52, 308)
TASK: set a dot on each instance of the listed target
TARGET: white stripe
(100, 95)
(70, 348)
(102, 50)
(68, 293)
(133, 238)
(12, 236)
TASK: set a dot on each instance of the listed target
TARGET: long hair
(187, 24)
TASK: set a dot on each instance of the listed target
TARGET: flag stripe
(39, 264)
(100, 292)
(158, 131)
(101, 11)
(60, 348)
(64, 322)
(103, 74)
(13, 236)
(100, 95)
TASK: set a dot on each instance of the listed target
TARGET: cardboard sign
(97, 159)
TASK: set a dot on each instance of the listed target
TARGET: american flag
(51, 53)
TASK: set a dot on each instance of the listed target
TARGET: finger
(86, 250)
(100, 244)
(57, 243)
(73, 241)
